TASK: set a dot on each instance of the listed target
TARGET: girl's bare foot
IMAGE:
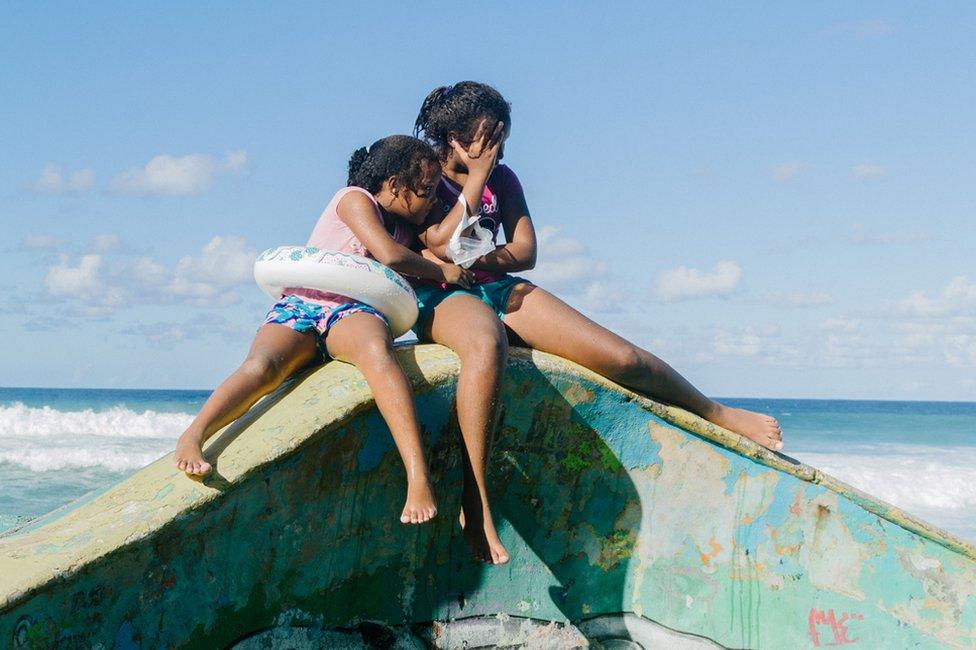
(760, 428)
(420, 506)
(189, 455)
(479, 531)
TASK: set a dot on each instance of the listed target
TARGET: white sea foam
(937, 484)
(19, 420)
(46, 439)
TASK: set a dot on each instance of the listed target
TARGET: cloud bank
(167, 175)
(684, 283)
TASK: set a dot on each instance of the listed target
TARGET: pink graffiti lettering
(837, 625)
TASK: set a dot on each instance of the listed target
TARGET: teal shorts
(494, 294)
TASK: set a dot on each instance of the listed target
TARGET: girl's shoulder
(346, 191)
(503, 180)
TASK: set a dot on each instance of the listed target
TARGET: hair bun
(357, 160)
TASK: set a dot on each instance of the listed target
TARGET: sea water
(58, 444)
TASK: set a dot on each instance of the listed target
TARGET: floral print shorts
(303, 316)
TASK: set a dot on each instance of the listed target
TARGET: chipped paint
(608, 502)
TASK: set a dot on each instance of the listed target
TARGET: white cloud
(952, 338)
(957, 297)
(148, 272)
(178, 175)
(563, 261)
(737, 344)
(106, 242)
(81, 280)
(85, 285)
(840, 325)
(101, 281)
(868, 170)
(960, 350)
(40, 242)
(787, 171)
(799, 299)
(602, 296)
(566, 267)
(684, 283)
(53, 181)
(224, 263)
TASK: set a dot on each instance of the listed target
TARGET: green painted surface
(607, 501)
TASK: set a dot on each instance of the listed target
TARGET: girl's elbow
(439, 251)
(388, 258)
(437, 245)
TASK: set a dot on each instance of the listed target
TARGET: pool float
(357, 277)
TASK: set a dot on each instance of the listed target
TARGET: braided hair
(458, 110)
(403, 157)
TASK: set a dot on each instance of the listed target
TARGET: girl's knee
(628, 361)
(489, 345)
(375, 351)
(266, 368)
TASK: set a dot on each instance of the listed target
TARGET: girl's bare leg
(470, 328)
(364, 341)
(546, 323)
(276, 353)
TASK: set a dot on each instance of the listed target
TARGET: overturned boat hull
(610, 505)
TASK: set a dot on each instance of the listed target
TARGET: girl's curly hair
(458, 110)
(403, 157)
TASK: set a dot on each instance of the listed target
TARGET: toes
(404, 518)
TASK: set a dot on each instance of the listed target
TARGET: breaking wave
(118, 439)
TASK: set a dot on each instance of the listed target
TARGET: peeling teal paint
(607, 502)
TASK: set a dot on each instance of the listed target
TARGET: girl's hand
(481, 155)
(454, 274)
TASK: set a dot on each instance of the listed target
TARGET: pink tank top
(330, 232)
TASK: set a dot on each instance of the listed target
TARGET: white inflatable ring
(359, 278)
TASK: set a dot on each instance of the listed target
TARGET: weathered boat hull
(609, 503)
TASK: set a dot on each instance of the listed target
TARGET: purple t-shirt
(501, 184)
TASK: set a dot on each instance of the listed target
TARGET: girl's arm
(519, 253)
(359, 213)
(480, 158)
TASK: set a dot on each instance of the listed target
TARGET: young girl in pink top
(391, 186)
(468, 124)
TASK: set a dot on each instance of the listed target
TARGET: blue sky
(772, 198)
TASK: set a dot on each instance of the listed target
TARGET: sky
(770, 196)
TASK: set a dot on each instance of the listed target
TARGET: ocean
(59, 444)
